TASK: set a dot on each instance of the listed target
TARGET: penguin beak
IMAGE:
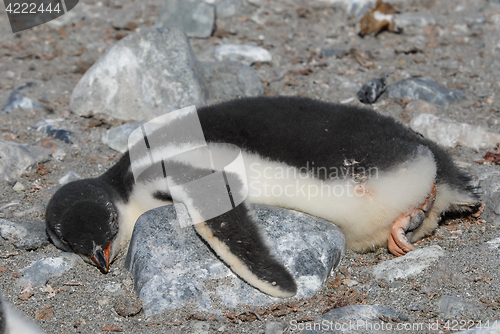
(101, 258)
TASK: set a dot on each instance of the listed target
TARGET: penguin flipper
(235, 237)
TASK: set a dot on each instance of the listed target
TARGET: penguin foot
(406, 223)
(479, 206)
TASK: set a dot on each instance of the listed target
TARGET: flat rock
(246, 54)
(489, 183)
(127, 305)
(49, 127)
(117, 138)
(423, 89)
(24, 235)
(409, 265)
(17, 100)
(351, 319)
(15, 159)
(450, 134)
(333, 52)
(195, 17)
(274, 327)
(230, 79)
(410, 19)
(454, 306)
(173, 268)
(39, 272)
(69, 177)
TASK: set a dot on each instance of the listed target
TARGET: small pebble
(19, 187)
(127, 306)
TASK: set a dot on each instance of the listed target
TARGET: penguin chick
(381, 183)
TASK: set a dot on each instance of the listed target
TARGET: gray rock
(227, 8)
(423, 89)
(195, 17)
(173, 268)
(127, 305)
(15, 159)
(117, 138)
(246, 54)
(489, 183)
(48, 126)
(39, 272)
(256, 3)
(125, 83)
(371, 90)
(352, 319)
(333, 52)
(409, 265)
(19, 186)
(495, 243)
(274, 327)
(18, 100)
(25, 235)
(359, 8)
(450, 134)
(410, 19)
(230, 79)
(455, 306)
(69, 177)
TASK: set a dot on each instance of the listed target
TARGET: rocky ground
(454, 44)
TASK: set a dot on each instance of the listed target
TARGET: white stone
(450, 134)
(246, 54)
(412, 264)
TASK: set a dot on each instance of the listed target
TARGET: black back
(301, 131)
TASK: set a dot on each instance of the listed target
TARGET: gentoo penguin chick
(381, 183)
(13, 322)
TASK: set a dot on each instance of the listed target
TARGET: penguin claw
(398, 243)
(402, 230)
(479, 211)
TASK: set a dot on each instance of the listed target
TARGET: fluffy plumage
(349, 165)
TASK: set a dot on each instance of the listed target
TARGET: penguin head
(81, 218)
